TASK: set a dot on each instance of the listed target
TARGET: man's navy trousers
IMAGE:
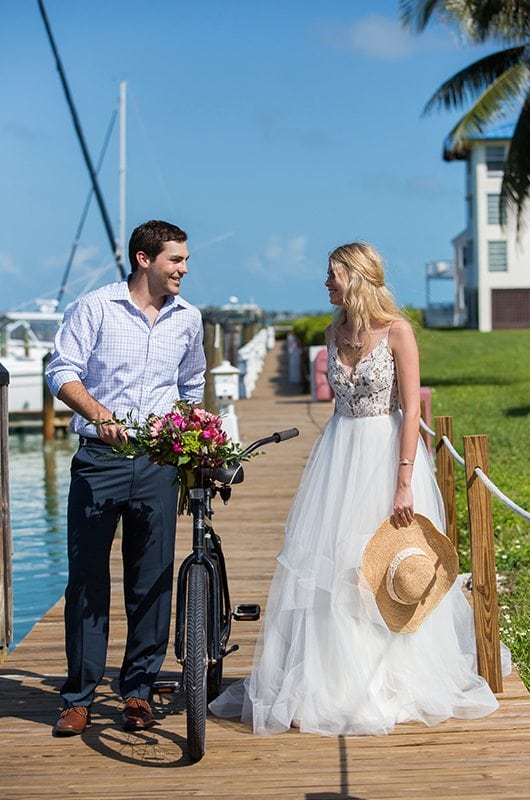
(103, 489)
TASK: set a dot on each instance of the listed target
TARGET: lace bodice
(370, 388)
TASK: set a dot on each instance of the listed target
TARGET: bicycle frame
(206, 548)
(204, 612)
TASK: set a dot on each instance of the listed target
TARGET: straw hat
(409, 570)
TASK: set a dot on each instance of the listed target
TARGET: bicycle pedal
(246, 611)
(166, 687)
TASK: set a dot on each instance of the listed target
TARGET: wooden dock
(475, 760)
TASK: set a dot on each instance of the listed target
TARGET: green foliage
(415, 315)
(311, 330)
(482, 381)
(493, 86)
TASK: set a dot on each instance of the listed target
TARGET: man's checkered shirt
(106, 342)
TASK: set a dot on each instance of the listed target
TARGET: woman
(326, 661)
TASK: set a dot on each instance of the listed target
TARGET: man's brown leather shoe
(72, 721)
(137, 714)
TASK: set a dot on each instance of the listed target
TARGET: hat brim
(389, 540)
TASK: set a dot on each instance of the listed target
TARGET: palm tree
(496, 86)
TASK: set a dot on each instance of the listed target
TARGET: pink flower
(156, 427)
(177, 447)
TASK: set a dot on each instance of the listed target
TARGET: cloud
(85, 256)
(8, 266)
(282, 257)
(89, 269)
(378, 37)
(222, 237)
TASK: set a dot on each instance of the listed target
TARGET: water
(39, 479)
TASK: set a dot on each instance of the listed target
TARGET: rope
(501, 496)
(454, 453)
(426, 428)
(480, 474)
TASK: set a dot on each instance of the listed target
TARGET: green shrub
(311, 330)
(415, 315)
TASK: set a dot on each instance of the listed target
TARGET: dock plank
(475, 759)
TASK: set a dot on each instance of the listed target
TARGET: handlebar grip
(281, 436)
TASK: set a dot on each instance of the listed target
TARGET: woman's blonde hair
(359, 269)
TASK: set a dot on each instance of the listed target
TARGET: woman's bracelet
(406, 462)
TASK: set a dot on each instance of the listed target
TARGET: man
(129, 347)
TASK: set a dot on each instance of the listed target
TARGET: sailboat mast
(122, 210)
(84, 148)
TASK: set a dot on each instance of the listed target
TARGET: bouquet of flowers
(186, 437)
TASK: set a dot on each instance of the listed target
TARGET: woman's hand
(403, 506)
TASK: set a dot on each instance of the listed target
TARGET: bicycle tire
(196, 663)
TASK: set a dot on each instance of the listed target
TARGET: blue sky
(270, 130)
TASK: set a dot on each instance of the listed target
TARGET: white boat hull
(26, 386)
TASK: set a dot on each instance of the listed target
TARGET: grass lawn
(482, 380)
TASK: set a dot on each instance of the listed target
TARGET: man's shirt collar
(120, 291)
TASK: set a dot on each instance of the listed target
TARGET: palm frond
(416, 14)
(503, 94)
(508, 20)
(516, 181)
(474, 79)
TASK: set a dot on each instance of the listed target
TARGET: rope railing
(480, 474)
(501, 496)
(479, 489)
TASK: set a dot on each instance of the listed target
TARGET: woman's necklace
(357, 342)
(356, 345)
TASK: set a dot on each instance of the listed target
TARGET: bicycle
(204, 613)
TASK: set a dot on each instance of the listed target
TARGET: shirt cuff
(58, 379)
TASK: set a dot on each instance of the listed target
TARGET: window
(495, 161)
(497, 256)
(467, 254)
(496, 210)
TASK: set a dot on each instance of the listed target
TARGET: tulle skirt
(325, 660)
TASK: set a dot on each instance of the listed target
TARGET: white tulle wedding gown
(325, 660)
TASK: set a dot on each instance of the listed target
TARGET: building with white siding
(491, 263)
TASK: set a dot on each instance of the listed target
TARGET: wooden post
(232, 342)
(484, 579)
(425, 411)
(48, 411)
(248, 331)
(445, 474)
(423, 433)
(213, 349)
(6, 582)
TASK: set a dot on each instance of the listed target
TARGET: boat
(26, 337)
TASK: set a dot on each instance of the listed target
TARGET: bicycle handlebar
(233, 473)
(279, 436)
(290, 433)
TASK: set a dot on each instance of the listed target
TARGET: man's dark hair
(150, 238)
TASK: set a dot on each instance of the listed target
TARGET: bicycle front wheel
(196, 662)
